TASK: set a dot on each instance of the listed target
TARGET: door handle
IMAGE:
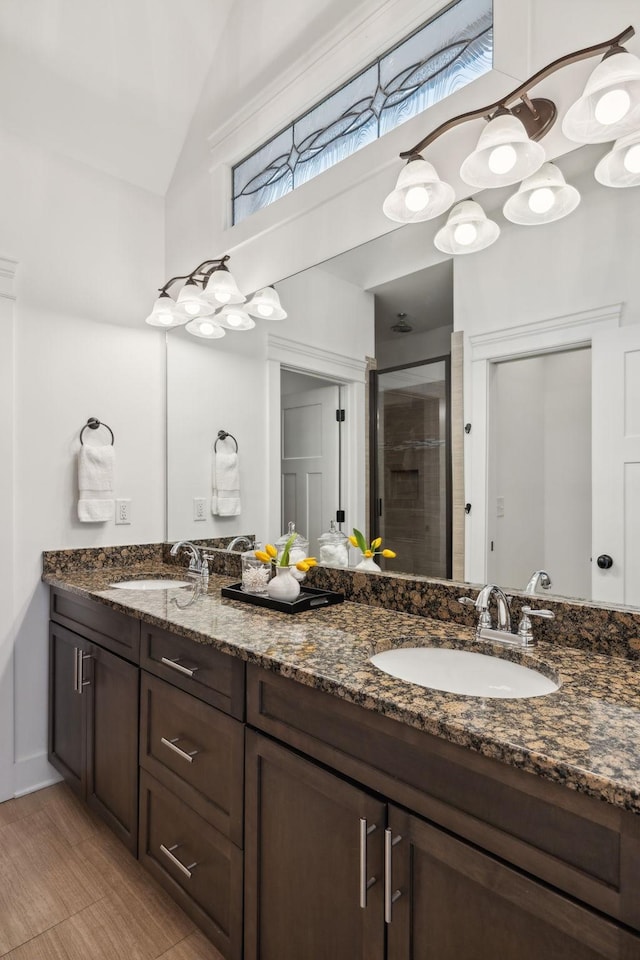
(389, 897)
(365, 881)
(78, 669)
(604, 561)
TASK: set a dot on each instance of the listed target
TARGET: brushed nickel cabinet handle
(389, 896)
(176, 665)
(81, 680)
(365, 882)
(172, 745)
(174, 860)
(76, 671)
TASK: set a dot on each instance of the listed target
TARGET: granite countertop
(586, 735)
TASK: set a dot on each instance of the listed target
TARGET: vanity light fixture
(467, 229)
(542, 197)
(621, 166)
(266, 304)
(610, 104)
(508, 150)
(209, 303)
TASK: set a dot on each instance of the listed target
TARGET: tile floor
(70, 891)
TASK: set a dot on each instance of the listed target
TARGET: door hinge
(340, 416)
(340, 518)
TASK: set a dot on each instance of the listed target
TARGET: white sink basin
(160, 584)
(461, 671)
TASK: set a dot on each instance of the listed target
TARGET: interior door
(616, 466)
(311, 460)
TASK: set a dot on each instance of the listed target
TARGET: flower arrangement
(357, 540)
(270, 555)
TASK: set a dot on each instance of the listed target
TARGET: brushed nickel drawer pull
(81, 680)
(389, 897)
(181, 753)
(176, 665)
(76, 671)
(174, 860)
(365, 882)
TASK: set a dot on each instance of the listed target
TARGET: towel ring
(223, 435)
(93, 423)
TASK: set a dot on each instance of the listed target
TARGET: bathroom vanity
(298, 802)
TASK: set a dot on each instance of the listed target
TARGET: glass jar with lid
(334, 547)
(298, 551)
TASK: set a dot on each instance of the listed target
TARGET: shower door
(411, 466)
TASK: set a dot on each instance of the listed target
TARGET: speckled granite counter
(585, 736)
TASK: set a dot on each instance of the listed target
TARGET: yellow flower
(302, 565)
(311, 561)
(271, 550)
(264, 557)
(353, 541)
(389, 554)
(376, 543)
(368, 553)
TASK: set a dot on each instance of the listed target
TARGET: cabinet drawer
(196, 751)
(201, 869)
(581, 845)
(113, 630)
(195, 667)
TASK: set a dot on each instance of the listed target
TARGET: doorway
(539, 471)
(311, 454)
(411, 465)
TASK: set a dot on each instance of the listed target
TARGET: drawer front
(113, 630)
(194, 667)
(201, 869)
(194, 750)
(571, 841)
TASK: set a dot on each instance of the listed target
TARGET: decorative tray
(308, 599)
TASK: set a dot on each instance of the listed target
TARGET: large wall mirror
(547, 328)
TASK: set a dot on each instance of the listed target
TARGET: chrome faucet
(247, 541)
(502, 633)
(198, 561)
(539, 577)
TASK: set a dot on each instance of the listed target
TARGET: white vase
(284, 586)
(368, 565)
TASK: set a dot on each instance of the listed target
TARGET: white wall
(410, 347)
(89, 249)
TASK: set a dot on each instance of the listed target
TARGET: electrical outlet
(199, 508)
(123, 511)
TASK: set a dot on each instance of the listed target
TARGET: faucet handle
(485, 620)
(546, 614)
(466, 601)
(525, 633)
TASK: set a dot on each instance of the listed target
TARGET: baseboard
(33, 773)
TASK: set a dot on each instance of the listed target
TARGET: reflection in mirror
(565, 287)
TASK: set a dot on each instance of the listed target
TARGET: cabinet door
(112, 697)
(67, 706)
(313, 846)
(451, 901)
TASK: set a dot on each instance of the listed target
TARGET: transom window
(450, 50)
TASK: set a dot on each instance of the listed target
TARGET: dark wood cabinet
(93, 727)
(313, 861)
(452, 901)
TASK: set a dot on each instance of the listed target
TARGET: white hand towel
(226, 485)
(95, 483)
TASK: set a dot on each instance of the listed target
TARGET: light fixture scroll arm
(519, 91)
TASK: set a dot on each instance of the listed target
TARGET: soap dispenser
(334, 547)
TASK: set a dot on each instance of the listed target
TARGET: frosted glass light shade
(467, 230)
(192, 302)
(222, 289)
(165, 313)
(621, 166)
(419, 194)
(265, 304)
(541, 198)
(504, 154)
(610, 103)
(234, 318)
(206, 328)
